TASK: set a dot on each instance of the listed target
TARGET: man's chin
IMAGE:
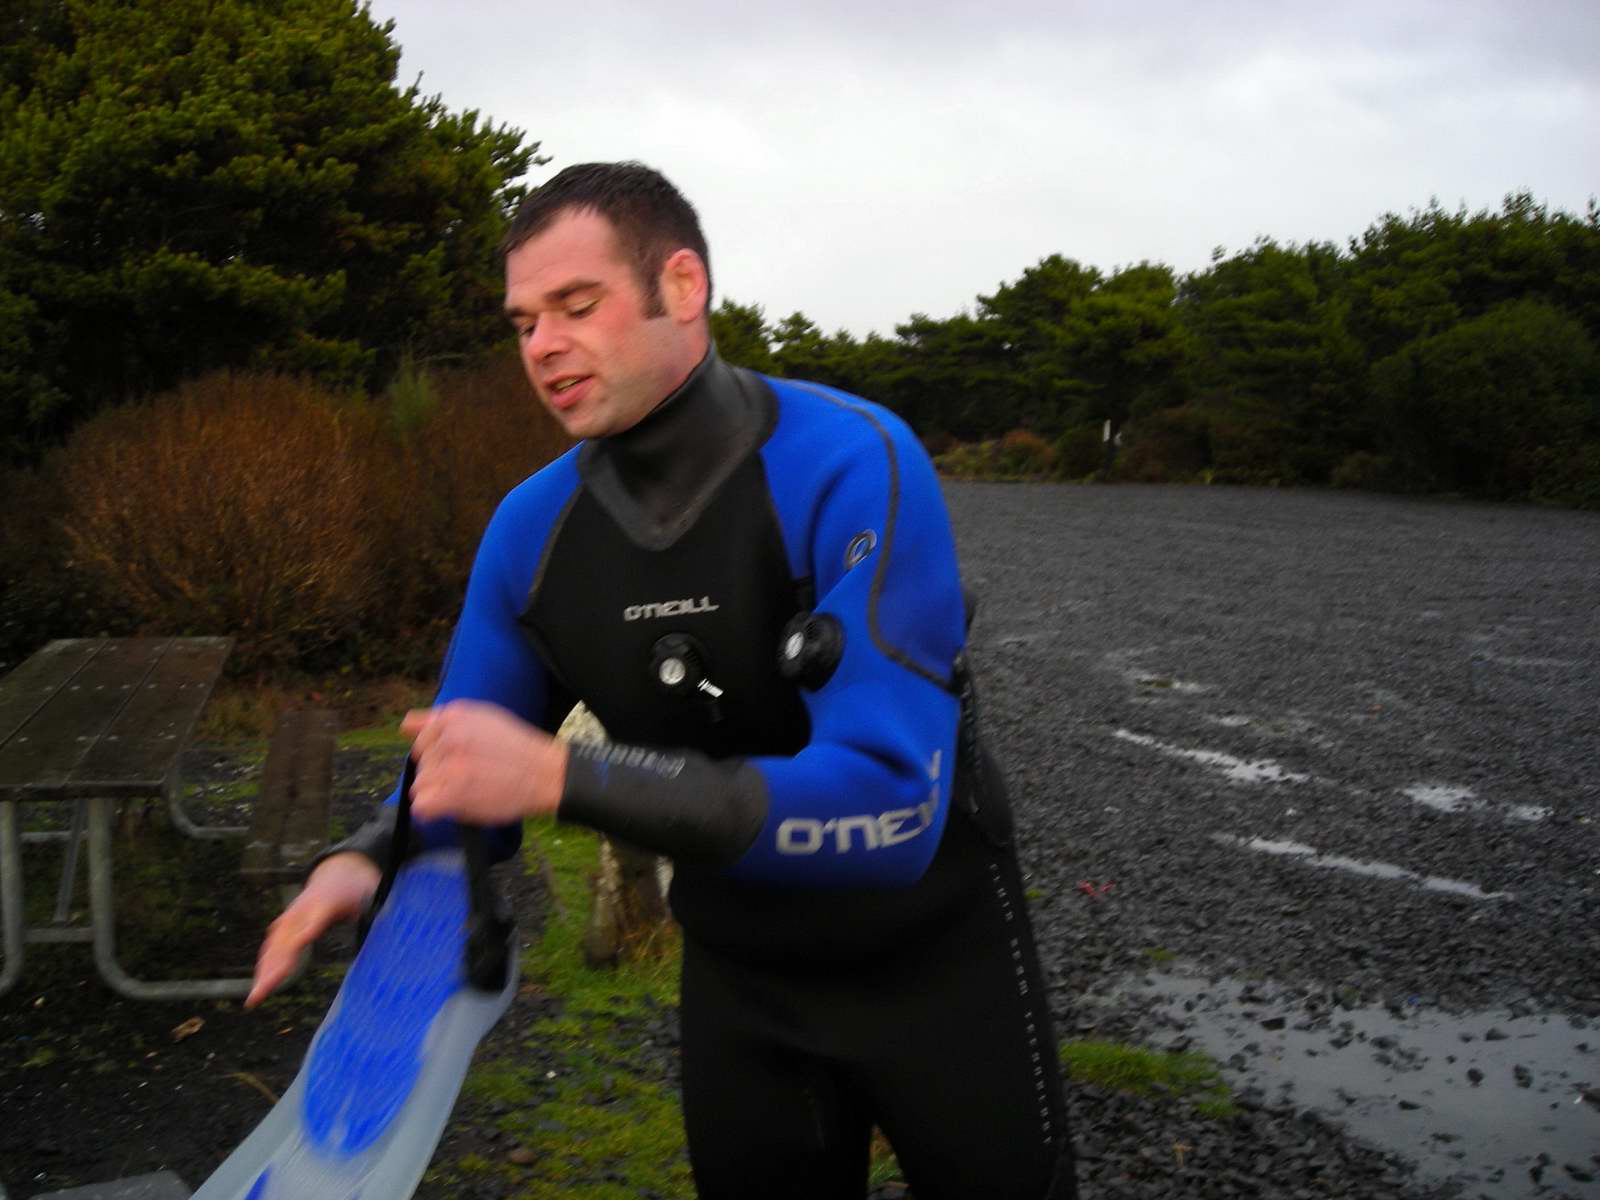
(576, 423)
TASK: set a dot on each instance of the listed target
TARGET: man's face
(597, 362)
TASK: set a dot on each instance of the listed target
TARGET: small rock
(1475, 1075)
(521, 1156)
(1495, 1034)
(1581, 1174)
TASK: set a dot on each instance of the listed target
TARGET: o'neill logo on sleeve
(874, 831)
(668, 608)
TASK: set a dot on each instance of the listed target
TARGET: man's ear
(684, 285)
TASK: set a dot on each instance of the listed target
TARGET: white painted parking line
(1442, 797)
(1239, 770)
(1312, 857)
(1446, 797)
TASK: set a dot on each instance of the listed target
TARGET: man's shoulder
(819, 415)
(542, 495)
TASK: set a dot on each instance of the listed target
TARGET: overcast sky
(861, 160)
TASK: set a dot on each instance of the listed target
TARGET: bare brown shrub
(436, 486)
(234, 505)
(490, 434)
(319, 531)
(1023, 452)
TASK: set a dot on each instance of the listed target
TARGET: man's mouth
(566, 389)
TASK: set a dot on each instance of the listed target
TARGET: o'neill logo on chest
(668, 608)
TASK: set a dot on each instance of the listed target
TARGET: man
(752, 584)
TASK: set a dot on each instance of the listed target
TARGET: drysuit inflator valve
(810, 649)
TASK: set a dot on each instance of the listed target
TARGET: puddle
(1312, 857)
(1237, 769)
(1476, 1098)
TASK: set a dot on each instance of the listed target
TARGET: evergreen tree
(207, 183)
(742, 336)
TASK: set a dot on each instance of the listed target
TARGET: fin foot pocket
(365, 1113)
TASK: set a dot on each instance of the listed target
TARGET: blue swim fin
(365, 1113)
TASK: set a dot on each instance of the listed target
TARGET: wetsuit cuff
(680, 804)
(375, 840)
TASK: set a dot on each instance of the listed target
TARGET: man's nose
(548, 338)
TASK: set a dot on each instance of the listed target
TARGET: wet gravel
(1293, 758)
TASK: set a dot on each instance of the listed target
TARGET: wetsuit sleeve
(490, 660)
(864, 803)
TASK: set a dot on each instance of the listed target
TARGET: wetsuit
(755, 591)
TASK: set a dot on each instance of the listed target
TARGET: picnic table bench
(290, 823)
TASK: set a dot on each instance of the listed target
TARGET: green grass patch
(597, 1108)
(1159, 954)
(557, 962)
(1142, 1072)
(383, 737)
(603, 1122)
(226, 795)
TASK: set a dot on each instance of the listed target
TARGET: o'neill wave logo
(873, 831)
(668, 608)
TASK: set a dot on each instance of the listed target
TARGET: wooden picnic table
(92, 721)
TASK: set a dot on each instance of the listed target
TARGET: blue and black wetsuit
(755, 590)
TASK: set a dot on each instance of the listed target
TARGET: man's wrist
(550, 779)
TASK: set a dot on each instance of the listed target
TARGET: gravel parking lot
(1311, 781)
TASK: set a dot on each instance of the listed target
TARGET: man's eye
(583, 309)
(525, 330)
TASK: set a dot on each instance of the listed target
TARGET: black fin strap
(398, 844)
(488, 948)
(489, 927)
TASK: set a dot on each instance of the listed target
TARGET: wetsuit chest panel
(603, 603)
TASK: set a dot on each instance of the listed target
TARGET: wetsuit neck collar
(656, 477)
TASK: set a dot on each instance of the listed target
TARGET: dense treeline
(1441, 352)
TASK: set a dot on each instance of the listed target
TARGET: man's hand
(337, 891)
(478, 763)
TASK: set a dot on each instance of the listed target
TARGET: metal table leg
(69, 865)
(182, 821)
(10, 896)
(103, 915)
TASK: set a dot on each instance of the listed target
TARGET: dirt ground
(95, 1087)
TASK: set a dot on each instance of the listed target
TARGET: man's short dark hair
(651, 218)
